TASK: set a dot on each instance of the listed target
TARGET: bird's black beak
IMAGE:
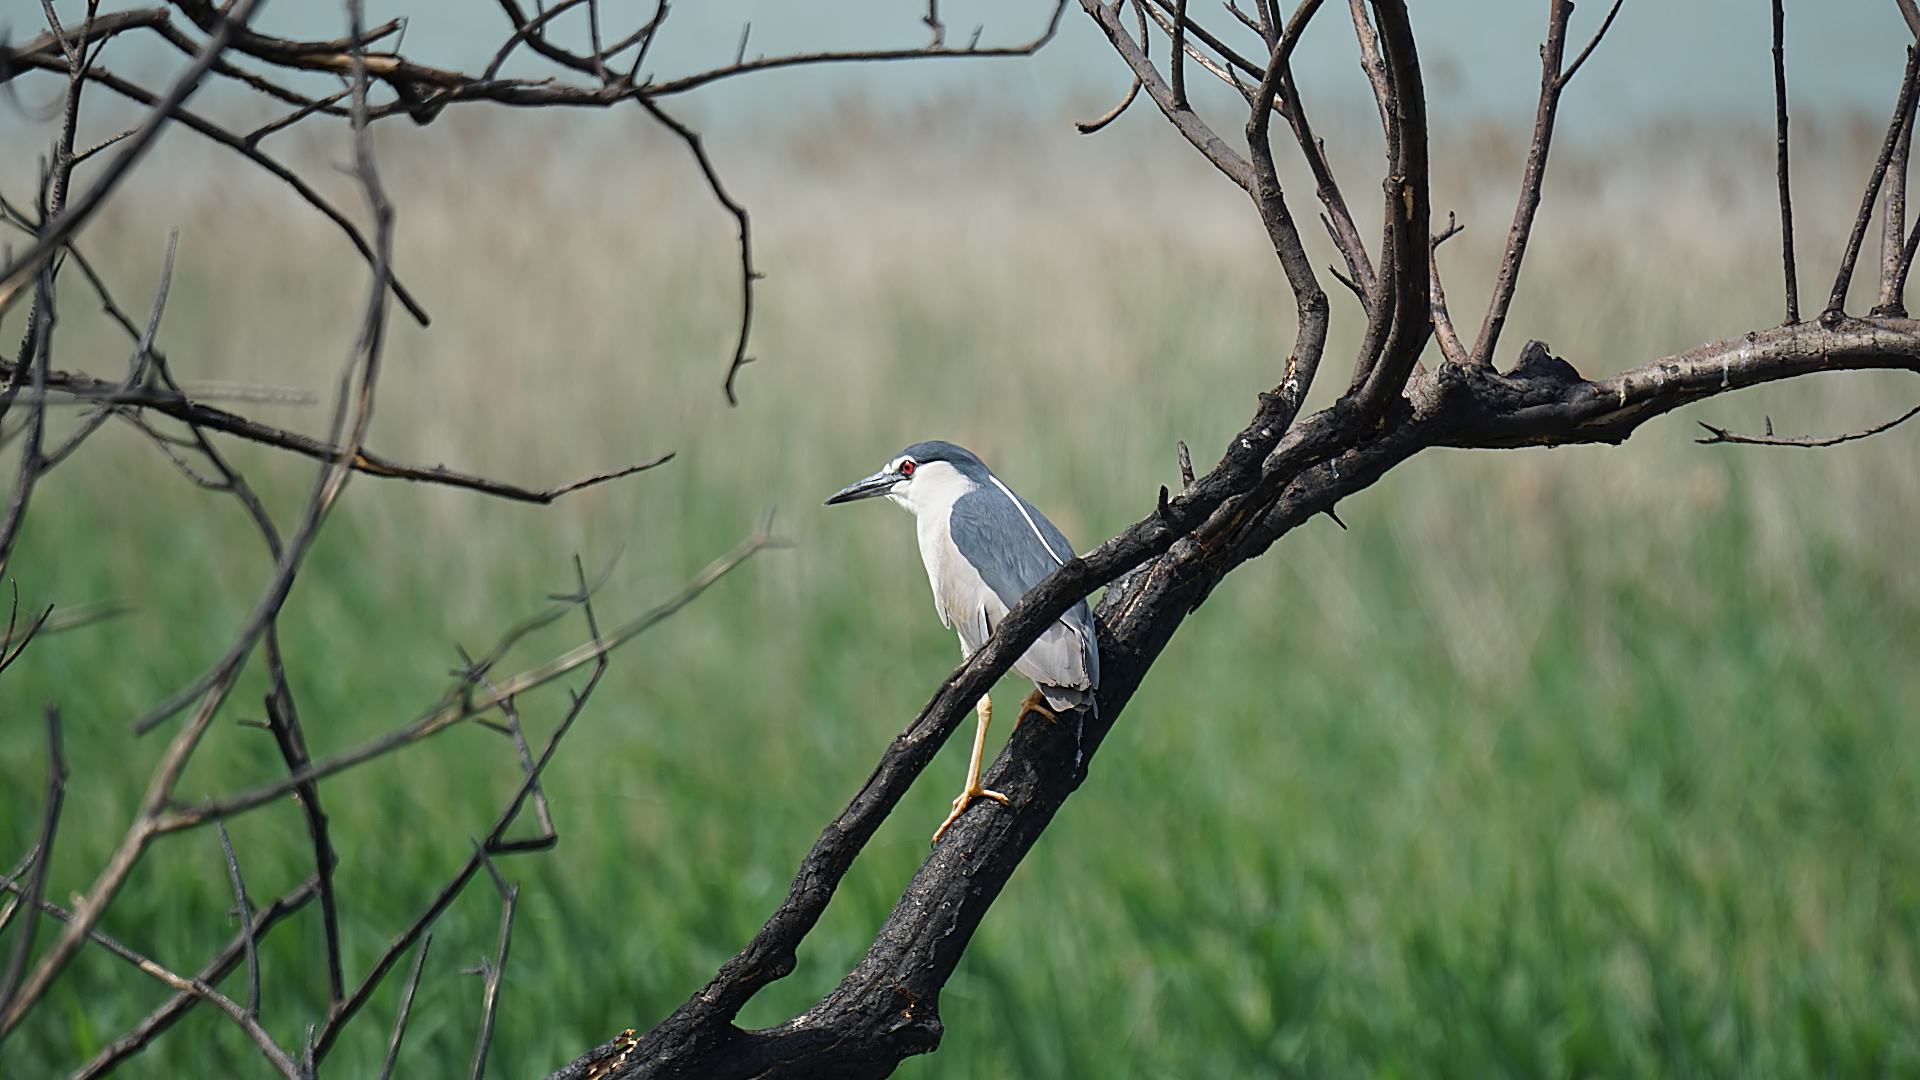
(873, 486)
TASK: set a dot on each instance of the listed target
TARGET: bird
(984, 547)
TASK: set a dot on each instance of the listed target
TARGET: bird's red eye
(906, 468)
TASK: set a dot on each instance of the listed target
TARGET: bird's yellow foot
(973, 790)
(965, 800)
(1036, 702)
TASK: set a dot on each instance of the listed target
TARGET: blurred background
(1588, 761)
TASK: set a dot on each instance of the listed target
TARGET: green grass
(1589, 762)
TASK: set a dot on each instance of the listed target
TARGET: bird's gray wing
(993, 535)
(1014, 552)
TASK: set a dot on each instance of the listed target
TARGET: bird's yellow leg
(973, 790)
(1036, 703)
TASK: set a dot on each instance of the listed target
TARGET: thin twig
(1177, 67)
(452, 712)
(1780, 143)
(1088, 127)
(182, 1001)
(246, 921)
(1371, 62)
(42, 860)
(1893, 224)
(200, 988)
(190, 410)
(1560, 11)
(1443, 330)
(1722, 435)
(1837, 300)
(10, 651)
(406, 1007)
(490, 997)
(748, 275)
(495, 842)
(1592, 43)
(120, 864)
(136, 367)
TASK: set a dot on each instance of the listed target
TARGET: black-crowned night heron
(984, 548)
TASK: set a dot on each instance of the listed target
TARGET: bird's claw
(960, 807)
(1035, 703)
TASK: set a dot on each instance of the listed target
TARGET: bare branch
(1592, 44)
(193, 988)
(353, 411)
(1780, 143)
(748, 275)
(180, 406)
(1400, 320)
(1185, 120)
(1837, 300)
(490, 997)
(1722, 435)
(9, 651)
(1443, 331)
(107, 883)
(495, 843)
(454, 711)
(1371, 63)
(1893, 223)
(1178, 64)
(42, 860)
(246, 921)
(1088, 127)
(406, 1007)
(692, 82)
(136, 368)
(183, 1000)
(51, 45)
(1551, 83)
(1310, 301)
(246, 149)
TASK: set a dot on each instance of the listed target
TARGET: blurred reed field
(1591, 761)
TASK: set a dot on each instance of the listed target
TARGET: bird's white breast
(957, 587)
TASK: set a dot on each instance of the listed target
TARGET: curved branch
(181, 407)
(1184, 119)
(748, 275)
(1723, 435)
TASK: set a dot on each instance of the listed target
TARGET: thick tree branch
(1399, 323)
